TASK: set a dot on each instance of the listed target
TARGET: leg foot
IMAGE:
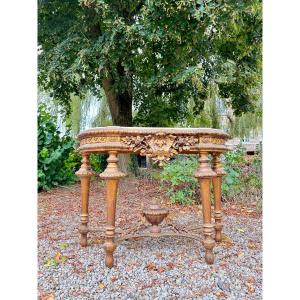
(208, 243)
(109, 246)
(83, 229)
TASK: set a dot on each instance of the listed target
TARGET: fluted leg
(204, 173)
(85, 174)
(217, 186)
(112, 175)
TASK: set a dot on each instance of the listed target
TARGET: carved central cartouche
(160, 146)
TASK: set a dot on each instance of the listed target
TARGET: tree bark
(120, 106)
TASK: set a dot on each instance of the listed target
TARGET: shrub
(233, 162)
(242, 182)
(57, 159)
(179, 180)
(98, 162)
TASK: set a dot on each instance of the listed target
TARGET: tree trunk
(120, 106)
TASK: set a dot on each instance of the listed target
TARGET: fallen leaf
(240, 254)
(250, 280)
(199, 294)
(226, 241)
(160, 270)
(223, 263)
(101, 285)
(47, 297)
(57, 257)
(251, 245)
(114, 278)
(90, 268)
(220, 294)
(151, 267)
(250, 287)
(170, 217)
(170, 265)
(225, 237)
(240, 230)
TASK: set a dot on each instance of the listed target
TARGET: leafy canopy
(164, 53)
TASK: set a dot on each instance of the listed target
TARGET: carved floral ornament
(159, 146)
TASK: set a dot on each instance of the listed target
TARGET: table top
(156, 142)
(151, 130)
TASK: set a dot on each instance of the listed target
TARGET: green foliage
(244, 176)
(54, 262)
(231, 183)
(247, 124)
(98, 162)
(50, 262)
(161, 53)
(57, 160)
(242, 182)
(255, 178)
(179, 180)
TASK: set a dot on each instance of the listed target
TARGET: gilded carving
(210, 140)
(99, 139)
(160, 146)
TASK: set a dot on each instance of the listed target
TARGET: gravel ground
(162, 268)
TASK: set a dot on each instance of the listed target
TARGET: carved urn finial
(155, 215)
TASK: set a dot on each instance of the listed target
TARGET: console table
(160, 144)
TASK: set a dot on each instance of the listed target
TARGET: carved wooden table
(160, 144)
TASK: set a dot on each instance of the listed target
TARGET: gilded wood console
(160, 144)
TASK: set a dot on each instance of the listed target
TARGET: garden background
(58, 208)
(152, 64)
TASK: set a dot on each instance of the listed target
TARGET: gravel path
(162, 268)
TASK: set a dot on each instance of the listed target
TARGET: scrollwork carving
(211, 140)
(160, 146)
(99, 139)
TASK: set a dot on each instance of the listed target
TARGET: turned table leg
(217, 187)
(85, 172)
(204, 173)
(112, 175)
